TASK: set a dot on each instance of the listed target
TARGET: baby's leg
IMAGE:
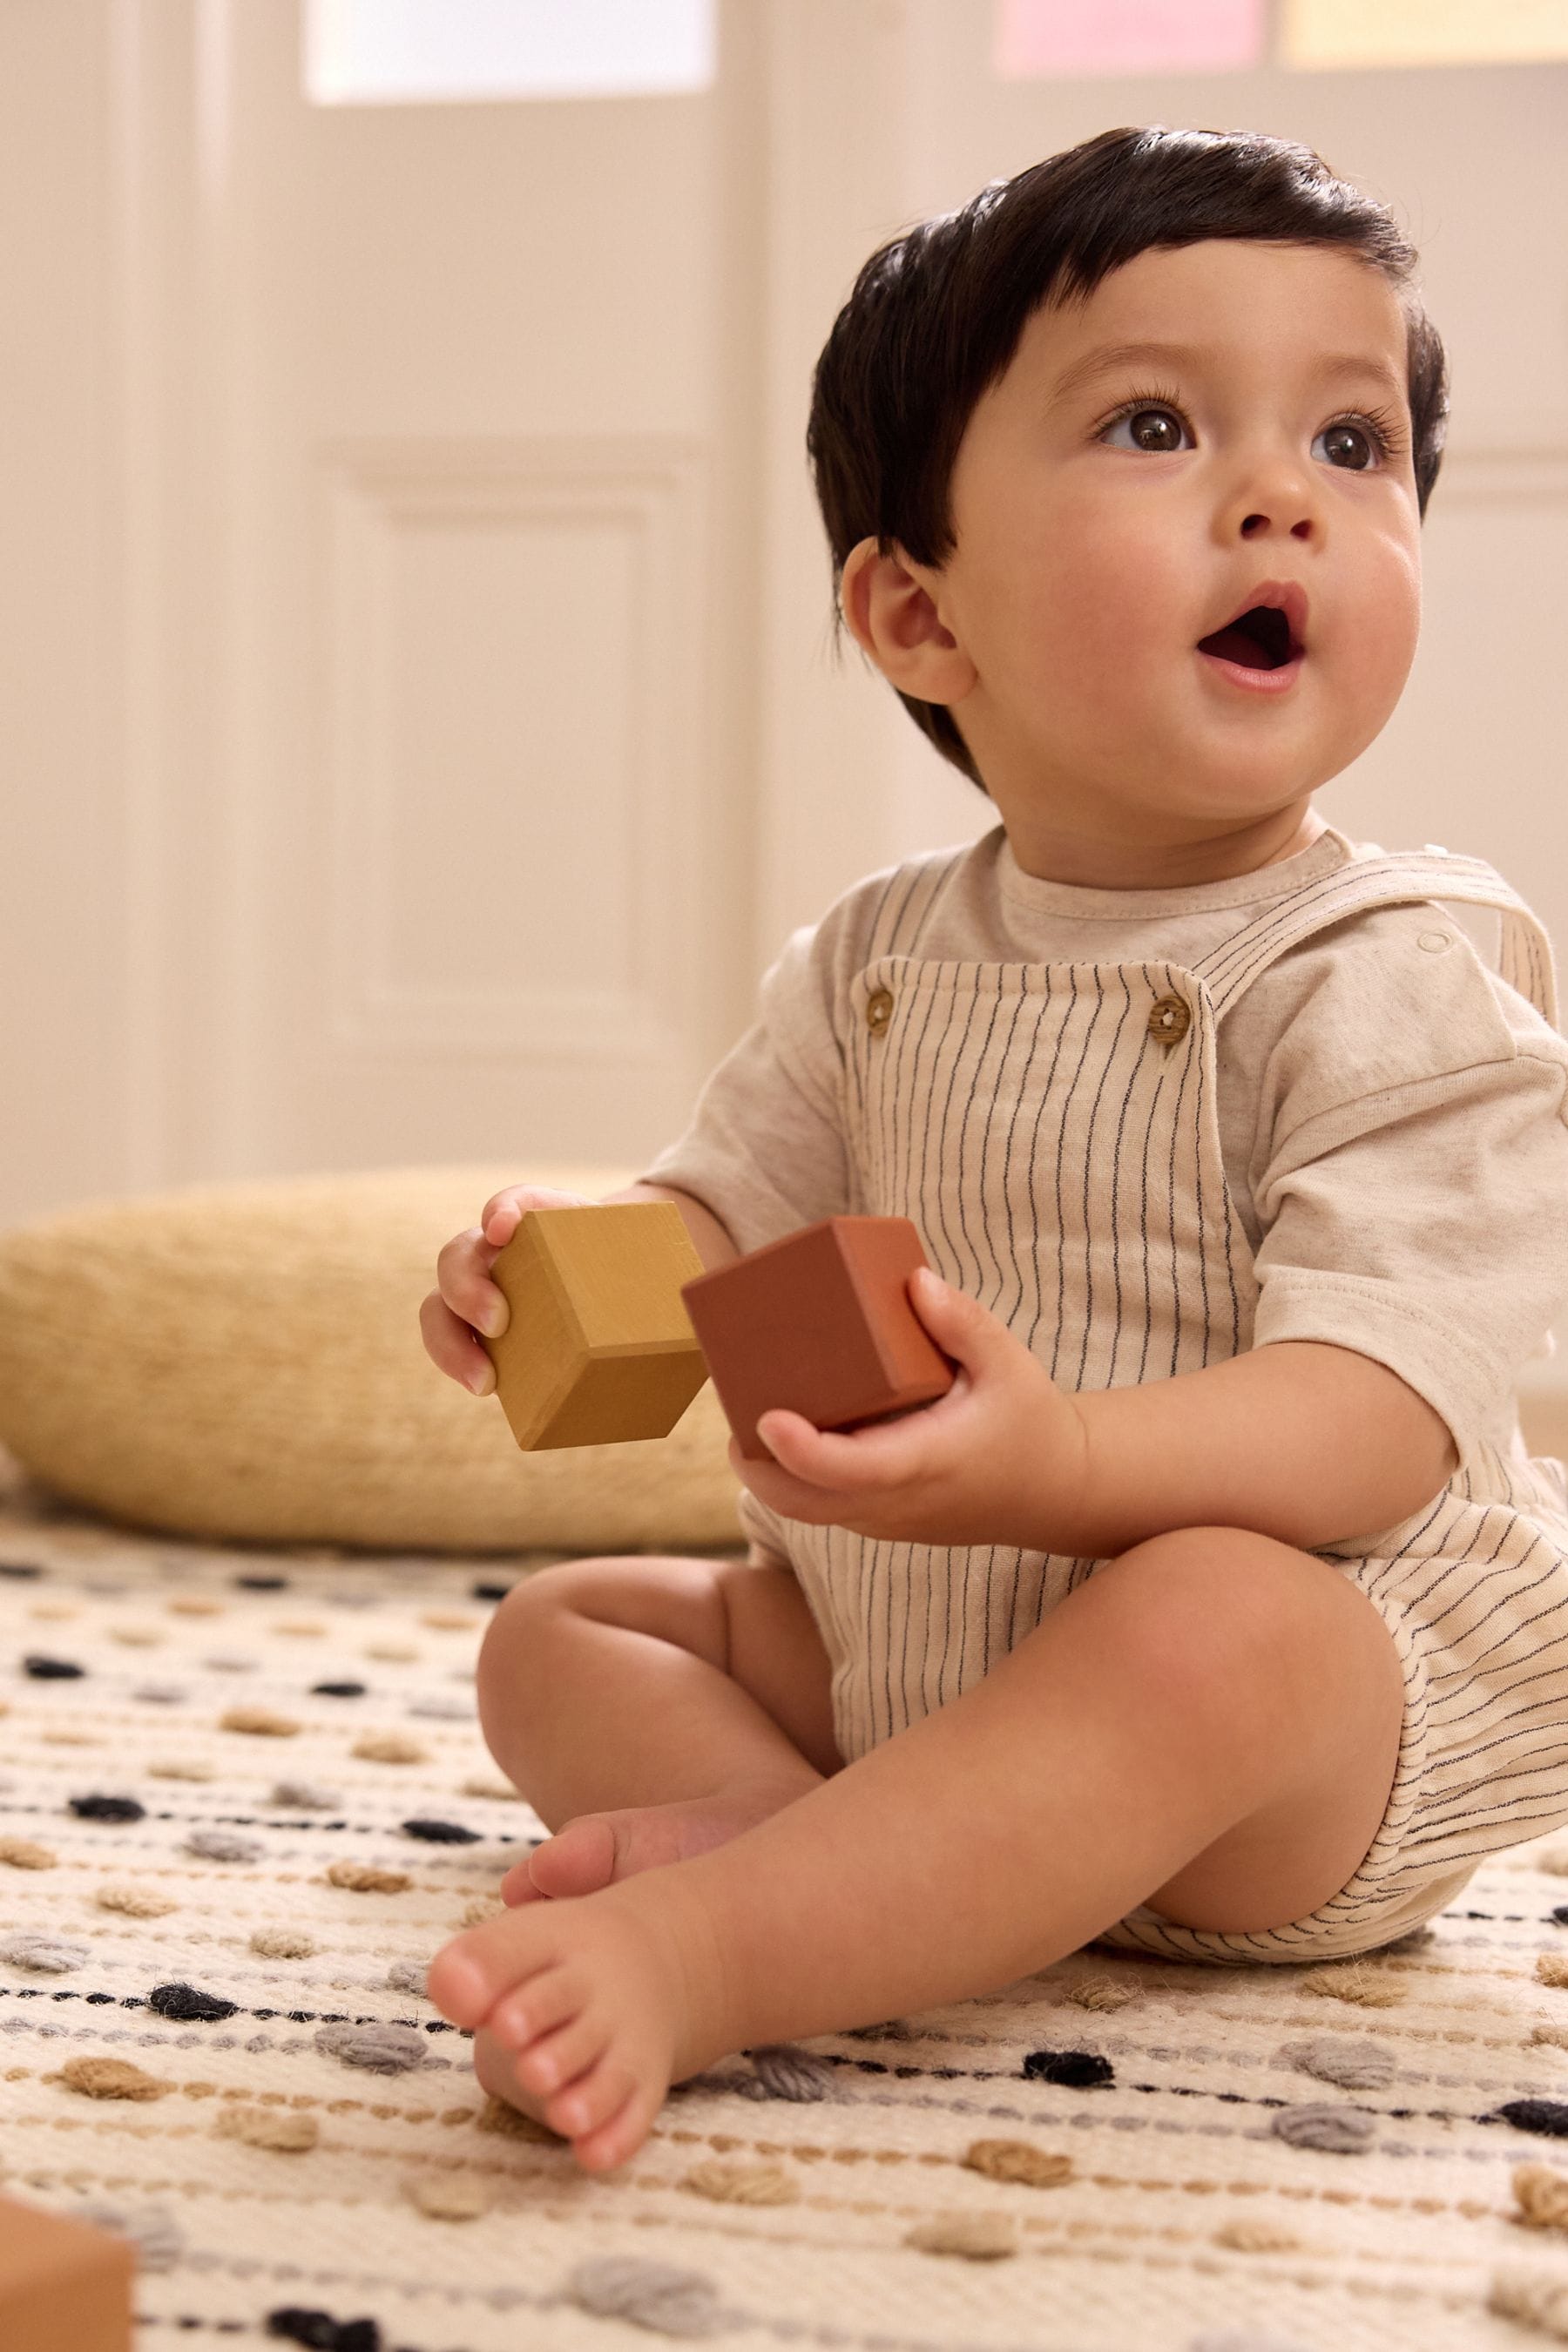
(1211, 1725)
(651, 1708)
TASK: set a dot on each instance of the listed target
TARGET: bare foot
(584, 2014)
(598, 1848)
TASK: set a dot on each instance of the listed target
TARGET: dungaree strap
(907, 899)
(1524, 961)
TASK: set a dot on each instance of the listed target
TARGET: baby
(1217, 1610)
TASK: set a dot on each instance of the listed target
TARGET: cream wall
(64, 894)
(298, 403)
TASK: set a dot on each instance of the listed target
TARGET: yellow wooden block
(65, 2286)
(600, 1347)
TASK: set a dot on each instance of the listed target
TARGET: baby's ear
(889, 608)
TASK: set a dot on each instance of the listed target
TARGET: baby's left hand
(993, 1460)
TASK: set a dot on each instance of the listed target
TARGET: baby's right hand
(465, 1300)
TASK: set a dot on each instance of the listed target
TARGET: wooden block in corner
(64, 2285)
(600, 1347)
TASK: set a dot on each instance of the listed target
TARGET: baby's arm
(1301, 1440)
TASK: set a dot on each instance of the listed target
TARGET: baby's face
(1112, 514)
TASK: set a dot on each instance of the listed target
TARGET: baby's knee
(676, 1599)
(531, 1597)
(1227, 1619)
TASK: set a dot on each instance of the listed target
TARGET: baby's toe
(558, 2059)
(529, 2010)
(591, 2101)
(495, 2071)
(617, 2137)
(468, 1976)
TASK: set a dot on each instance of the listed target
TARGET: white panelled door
(467, 384)
(415, 690)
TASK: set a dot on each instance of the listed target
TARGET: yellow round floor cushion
(244, 1361)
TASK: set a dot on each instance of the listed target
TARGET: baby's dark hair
(935, 317)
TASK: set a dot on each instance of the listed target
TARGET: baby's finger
(501, 1215)
(462, 1277)
(968, 1334)
(795, 1498)
(817, 1476)
(451, 1345)
(504, 1210)
(871, 1458)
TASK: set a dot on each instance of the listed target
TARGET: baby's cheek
(1367, 656)
(1114, 626)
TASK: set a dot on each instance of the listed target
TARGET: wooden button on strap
(879, 1011)
(1170, 1018)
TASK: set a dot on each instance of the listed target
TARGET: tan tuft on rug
(245, 1798)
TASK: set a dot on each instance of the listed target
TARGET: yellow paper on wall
(1364, 33)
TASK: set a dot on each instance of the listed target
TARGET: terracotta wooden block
(64, 2287)
(600, 1346)
(821, 1322)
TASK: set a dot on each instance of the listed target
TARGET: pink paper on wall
(1126, 37)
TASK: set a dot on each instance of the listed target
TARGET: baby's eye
(1352, 446)
(1157, 431)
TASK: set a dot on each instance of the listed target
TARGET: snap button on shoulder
(1170, 1018)
(1434, 941)
(879, 1009)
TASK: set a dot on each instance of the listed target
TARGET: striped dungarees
(1051, 1132)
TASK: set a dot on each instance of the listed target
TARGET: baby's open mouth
(1259, 638)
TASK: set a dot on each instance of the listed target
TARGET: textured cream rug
(245, 1798)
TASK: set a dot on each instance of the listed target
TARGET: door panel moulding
(630, 513)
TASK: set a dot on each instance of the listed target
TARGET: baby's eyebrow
(1336, 367)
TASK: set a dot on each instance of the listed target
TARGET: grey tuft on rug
(244, 1799)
